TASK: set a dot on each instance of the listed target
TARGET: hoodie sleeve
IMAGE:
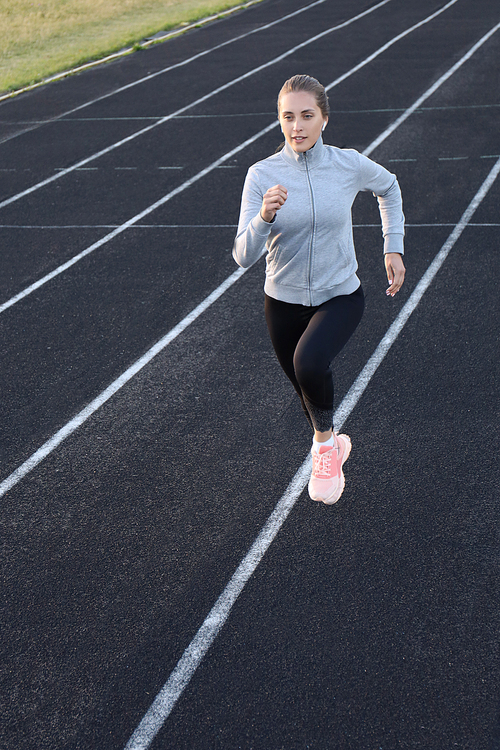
(253, 231)
(385, 187)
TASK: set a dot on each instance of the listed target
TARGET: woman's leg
(286, 323)
(329, 329)
(306, 340)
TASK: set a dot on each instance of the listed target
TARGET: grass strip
(41, 38)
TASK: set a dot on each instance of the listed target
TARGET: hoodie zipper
(313, 231)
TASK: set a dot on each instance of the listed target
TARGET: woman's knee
(310, 372)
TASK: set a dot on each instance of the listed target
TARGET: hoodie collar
(312, 157)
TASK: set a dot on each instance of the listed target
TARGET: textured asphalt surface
(369, 625)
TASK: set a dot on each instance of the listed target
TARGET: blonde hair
(310, 84)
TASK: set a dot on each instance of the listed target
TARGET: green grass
(44, 37)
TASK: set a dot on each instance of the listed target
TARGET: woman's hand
(395, 272)
(272, 202)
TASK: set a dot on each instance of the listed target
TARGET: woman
(297, 205)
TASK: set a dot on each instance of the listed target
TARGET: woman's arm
(385, 187)
(253, 231)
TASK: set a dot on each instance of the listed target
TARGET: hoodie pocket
(335, 266)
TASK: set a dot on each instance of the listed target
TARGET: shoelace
(323, 463)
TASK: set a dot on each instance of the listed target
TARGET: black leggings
(306, 340)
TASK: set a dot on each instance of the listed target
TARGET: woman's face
(300, 119)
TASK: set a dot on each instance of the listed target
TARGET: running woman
(296, 205)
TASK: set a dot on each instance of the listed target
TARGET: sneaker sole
(337, 492)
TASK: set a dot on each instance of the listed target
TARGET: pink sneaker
(327, 479)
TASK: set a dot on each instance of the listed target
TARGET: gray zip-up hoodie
(310, 248)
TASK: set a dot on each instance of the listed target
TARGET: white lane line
(36, 285)
(180, 64)
(204, 98)
(115, 226)
(195, 652)
(212, 226)
(227, 115)
(251, 114)
(142, 118)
